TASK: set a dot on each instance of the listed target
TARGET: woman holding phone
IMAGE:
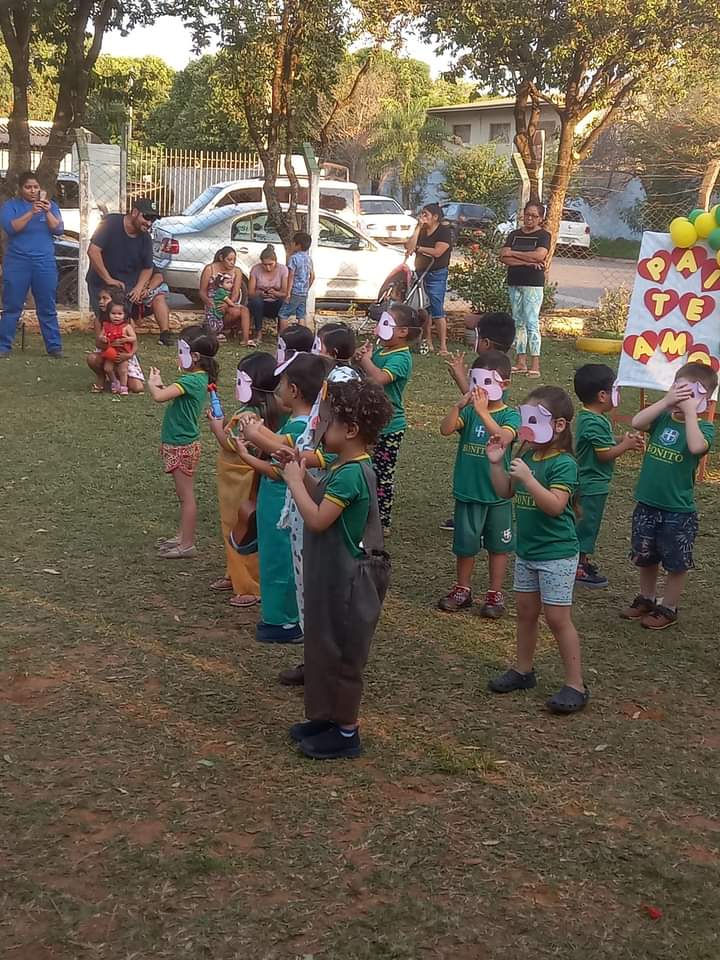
(30, 221)
(524, 254)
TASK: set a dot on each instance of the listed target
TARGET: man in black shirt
(121, 255)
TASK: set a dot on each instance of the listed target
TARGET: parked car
(384, 219)
(67, 251)
(340, 197)
(468, 221)
(349, 265)
(573, 231)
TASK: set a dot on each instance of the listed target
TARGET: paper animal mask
(281, 351)
(184, 355)
(386, 326)
(243, 387)
(316, 347)
(537, 423)
(488, 380)
(699, 393)
(615, 395)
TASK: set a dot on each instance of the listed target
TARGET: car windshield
(383, 205)
(199, 203)
(572, 216)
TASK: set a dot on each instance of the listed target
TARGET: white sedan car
(349, 265)
(384, 219)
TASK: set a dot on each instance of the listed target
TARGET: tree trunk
(561, 179)
(525, 130)
(16, 28)
(712, 170)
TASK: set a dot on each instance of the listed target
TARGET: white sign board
(674, 315)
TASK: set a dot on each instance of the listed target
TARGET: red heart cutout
(670, 341)
(655, 268)
(695, 307)
(662, 300)
(648, 340)
(698, 254)
(705, 351)
(710, 276)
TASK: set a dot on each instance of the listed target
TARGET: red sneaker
(494, 606)
(459, 598)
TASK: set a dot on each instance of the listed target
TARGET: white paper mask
(184, 355)
(281, 368)
(281, 350)
(477, 339)
(316, 347)
(488, 380)
(537, 423)
(243, 387)
(386, 327)
(699, 393)
(615, 394)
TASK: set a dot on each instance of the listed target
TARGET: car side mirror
(358, 244)
(408, 213)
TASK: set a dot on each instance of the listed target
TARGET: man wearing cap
(121, 255)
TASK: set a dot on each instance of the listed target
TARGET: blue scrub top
(35, 241)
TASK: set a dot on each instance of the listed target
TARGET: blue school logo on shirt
(669, 436)
(480, 432)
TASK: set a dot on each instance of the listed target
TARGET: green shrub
(612, 311)
(480, 175)
(482, 280)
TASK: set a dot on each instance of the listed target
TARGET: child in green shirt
(665, 523)
(180, 435)
(543, 480)
(482, 518)
(596, 451)
(347, 570)
(390, 365)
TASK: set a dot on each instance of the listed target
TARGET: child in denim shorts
(482, 518)
(543, 480)
(665, 523)
(301, 277)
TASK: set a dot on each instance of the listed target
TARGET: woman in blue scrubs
(30, 222)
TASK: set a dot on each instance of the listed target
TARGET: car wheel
(67, 289)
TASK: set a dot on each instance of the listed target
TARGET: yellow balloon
(717, 258)
(682, 232)
(705, 224)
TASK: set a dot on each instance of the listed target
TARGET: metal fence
(174, 178)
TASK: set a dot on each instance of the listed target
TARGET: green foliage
(481, 280)
(120, 85)
(42, 91)
(198, 113)
(612, 311)
(480, 175)
(407, 142)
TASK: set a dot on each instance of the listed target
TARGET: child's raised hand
(677, 393)
(495, 449)
(465, 399)
(363, 351)
(154, 378)
(457, 364)
(285, 455)
(294, 472)
(519, 470)
(480, 401)
(634, 441)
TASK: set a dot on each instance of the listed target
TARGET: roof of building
(39, 132)
(489, 103)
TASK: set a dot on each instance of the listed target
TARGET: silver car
(349, 265)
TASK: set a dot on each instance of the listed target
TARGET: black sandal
(512, 680)
(568, 700)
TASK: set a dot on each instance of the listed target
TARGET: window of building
(500, 133)
(461, 132)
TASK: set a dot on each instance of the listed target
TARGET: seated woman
(135, 375)
(267, 289)
(234, 316)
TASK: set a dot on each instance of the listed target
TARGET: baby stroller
(403, 285)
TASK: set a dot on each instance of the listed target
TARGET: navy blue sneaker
(309, 728)
(331, 745)
(448, 524)
(276, 633)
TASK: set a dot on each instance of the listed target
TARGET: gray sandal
(512, 680)
(568, 700)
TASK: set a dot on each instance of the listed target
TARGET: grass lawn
(152, 808)
(618, 249)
